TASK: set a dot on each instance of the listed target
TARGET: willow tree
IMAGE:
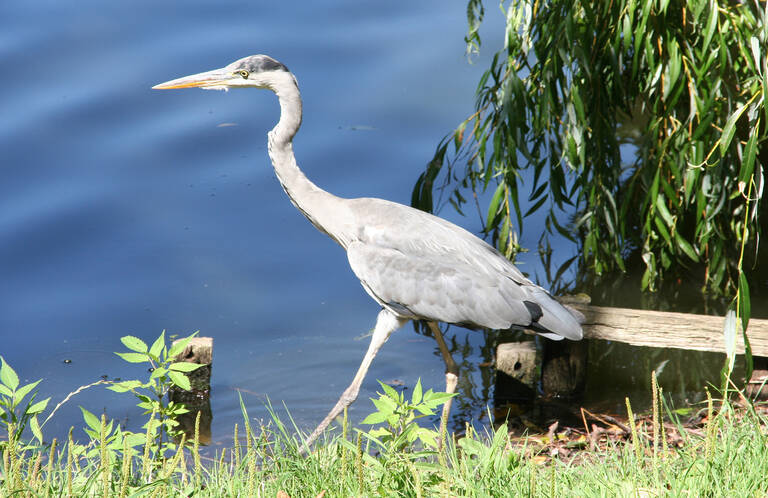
(637, 128)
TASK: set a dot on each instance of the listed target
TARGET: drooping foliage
(637, 127)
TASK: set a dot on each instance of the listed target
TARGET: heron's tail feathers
(557, 321)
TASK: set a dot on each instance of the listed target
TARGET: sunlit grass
(729, 457)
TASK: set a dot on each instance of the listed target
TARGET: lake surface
(130, 211)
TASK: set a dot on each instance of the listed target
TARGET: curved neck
(320, 207)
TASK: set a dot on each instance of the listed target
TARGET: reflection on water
(614, 371)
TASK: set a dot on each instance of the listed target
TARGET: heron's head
(256, 71)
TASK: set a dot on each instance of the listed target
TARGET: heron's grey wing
(423, 287)
(421, 266)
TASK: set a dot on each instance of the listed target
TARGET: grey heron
(415, 265)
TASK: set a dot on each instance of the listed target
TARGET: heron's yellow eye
(243, 73)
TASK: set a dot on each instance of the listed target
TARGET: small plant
(13, 414)
(109, 437)
(400, 416)
(166, 373)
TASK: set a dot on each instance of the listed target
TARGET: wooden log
(757, 387)
(664, 329)
(564, 368)
(517, 367)
(199, 350)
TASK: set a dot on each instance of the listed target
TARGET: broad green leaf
(184, 366)
(134, 344)
(385, 405)
(125, 386)
(8, 375)
(390, 391)
(34, 426)
(135, 439)
(39, 406)
(157, 346)
(22, 392)
(379, 432)
(180, 380)
(134, 357)
(417, 392)
(424, 409)
(375, 418)
(144, 398)
(178, 347)
(158, 372)
(91, 420)
(438, 398)
(149, 406)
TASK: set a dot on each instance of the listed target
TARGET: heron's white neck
(321, 208)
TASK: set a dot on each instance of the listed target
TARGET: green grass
(727, 457)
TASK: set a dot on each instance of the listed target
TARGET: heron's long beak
(216, 79)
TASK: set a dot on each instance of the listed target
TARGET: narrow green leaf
(662, 230)
(134, 344)
(536, 206)
(730, 128)
(493, 207)
(577, 103)
(745, 306)
(685, 246)
(661, 207)
(754, 45)
(711, 25)
(748, 163)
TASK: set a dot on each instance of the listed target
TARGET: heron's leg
(386, 323)
(451, 378)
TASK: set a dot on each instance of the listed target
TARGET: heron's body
(415, 265)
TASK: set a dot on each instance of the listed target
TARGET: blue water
(130, 211)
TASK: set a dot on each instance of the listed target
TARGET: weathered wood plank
(662, 329)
